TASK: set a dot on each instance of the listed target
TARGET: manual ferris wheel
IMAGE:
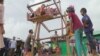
(46, 13)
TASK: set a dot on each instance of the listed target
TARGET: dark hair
(55, 31)
(70, 9)
(1, 1)
(14, 37)
(30, 31)
(43, 5)
(83, 10)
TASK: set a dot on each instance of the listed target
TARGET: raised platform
(44, 18)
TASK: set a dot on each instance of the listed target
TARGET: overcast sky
(16, 23)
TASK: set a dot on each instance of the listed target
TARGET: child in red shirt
(77, 30)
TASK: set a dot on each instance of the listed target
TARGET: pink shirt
(75, 20)
(1, 13)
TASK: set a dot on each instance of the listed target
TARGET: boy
(88, 29)
(77, 29)
(28, 43)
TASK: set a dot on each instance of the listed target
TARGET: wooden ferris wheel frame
(39, 21)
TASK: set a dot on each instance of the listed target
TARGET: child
(69, 31)
(68, 26)
(88, 29)
(27, 44)
(42, 9)
(77, 29)
(72, 45)
(57, 51)
(69, 34)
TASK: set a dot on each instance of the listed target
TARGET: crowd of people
(12, 47)
(16, 48)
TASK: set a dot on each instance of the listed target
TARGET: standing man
(1, 27)
(76, 27)
(6, 42)
(55, 45)
(88, 29)
(12, 47)
(28, 43)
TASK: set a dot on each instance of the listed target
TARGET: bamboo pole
(62, 27)
(68, 46)
(57, 29)
(67, 39)
(50, 37)
(58, 9)
(38, 37)
(39, 3)
(52, 4)
(35, 33)
(30, 9)
(45, 27)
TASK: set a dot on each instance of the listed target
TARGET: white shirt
(46, 46)
(13, 44)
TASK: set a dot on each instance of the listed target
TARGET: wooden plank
(44, 18)
(39, 3)
(35, 33)
(57, 29)
(51, 37)
(45, 27)
(52, 4)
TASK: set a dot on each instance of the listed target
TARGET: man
(12, 47)
(88, 29)
(55, 45)
(28, 44)
(7, 43)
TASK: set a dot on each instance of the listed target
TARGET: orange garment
(27, 54)
(70, 32)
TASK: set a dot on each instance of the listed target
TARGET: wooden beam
(30, 9)
(57, 29)
(62, 27)
(51, 37)
(39, 3)
(52, 4)
(35, 34)
(45, 27)
(38, 37)
(38, 31)
(45, 18)
(59, 10)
